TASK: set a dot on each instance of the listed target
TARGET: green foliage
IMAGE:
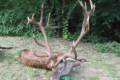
(104, 23)
(109, 47)
(12, 18)
(65, 32)
(95, 39)
(107, 19)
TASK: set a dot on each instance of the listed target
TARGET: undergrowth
(112, 47)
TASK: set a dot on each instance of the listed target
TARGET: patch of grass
(11, 56)
(109, 69)
(94, 78)
(113, 47)
(17, 53)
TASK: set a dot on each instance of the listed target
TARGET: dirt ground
(100, 66)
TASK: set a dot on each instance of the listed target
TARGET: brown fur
(38, 60)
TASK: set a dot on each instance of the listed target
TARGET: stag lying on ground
(51, 61)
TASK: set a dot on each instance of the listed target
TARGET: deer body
(38, 60)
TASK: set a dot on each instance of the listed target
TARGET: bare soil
(100, 66)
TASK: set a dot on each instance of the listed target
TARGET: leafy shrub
(65, 32)
(104, 23)
(13, 17)
(95, 38)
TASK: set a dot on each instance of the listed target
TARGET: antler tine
(42, 28)
(37, 42)
(74, 50)
(84, 7)
(91, 4)
(31, 20)
(92, 7)
(42, 11)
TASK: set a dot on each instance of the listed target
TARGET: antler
(85, 24)
(85, 28)
(42, 29)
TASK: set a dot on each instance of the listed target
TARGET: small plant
(65, 32)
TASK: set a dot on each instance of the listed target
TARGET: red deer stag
(47, 59)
